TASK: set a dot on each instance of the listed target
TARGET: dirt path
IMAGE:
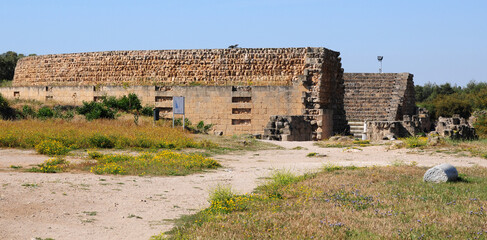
(87, 206)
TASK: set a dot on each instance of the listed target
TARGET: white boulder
(441, 173)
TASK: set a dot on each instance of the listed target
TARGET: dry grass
(475, 148)
(163, 163)
(99, 133)
(236, 144)
(364, 203)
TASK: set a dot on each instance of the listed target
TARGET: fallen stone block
(441, 173)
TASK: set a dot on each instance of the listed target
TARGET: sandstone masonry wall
(378, 96)
(233, 110)
(241, 66)
(312, 79)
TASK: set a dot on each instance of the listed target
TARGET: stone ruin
(288, 128)
(281, 93)
(456, 128)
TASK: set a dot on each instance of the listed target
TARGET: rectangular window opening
(241, 99)
(240, 121)
(165, 110)
(241, 110)
(163, 99)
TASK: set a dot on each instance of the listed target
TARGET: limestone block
(441, 173)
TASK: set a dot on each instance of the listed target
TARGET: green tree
(8, 61)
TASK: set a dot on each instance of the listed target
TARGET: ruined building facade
(237, 90)
(304, 90)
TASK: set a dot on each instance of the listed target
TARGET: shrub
(101, 141)
(124, 103)
(147, 111)
(44, 113)
(6, 112)
(27, 111)
(131, 102)
(95, 110)
(481, 124)
(51, 148)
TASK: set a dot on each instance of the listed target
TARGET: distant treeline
(8, 61)
(446, 100)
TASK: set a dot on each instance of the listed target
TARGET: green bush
(101, 141)
(27, 111)
(481, 124)
(147, 111)
(124, 103)
(6, 112)
(44, 113)
(95, 110)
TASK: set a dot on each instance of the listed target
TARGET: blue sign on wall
(178, 105)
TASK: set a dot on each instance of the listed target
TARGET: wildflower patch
(52, 165)
(51, 148)
(163, 163)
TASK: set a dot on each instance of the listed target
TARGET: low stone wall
(378, 96)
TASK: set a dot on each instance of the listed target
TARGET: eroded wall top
(241, 66)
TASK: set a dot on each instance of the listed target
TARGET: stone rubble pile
(288, 128)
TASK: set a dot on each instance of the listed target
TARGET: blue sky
(437, 40)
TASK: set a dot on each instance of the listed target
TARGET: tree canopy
(8, 61)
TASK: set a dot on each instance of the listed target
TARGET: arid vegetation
(387, 203)
(95, 134)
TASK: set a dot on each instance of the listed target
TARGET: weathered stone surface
(441, 173)
(378, 96)
(288, 128)
(385, 130)
(455, 128)
(315, 73)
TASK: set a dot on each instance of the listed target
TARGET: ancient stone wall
(241, 66)
(232, 110)
(378, 96)
(314, 75)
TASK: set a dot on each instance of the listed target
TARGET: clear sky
(437, 40)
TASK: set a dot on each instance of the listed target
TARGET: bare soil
(88, 206)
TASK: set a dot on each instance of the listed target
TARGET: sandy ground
(87, 206)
